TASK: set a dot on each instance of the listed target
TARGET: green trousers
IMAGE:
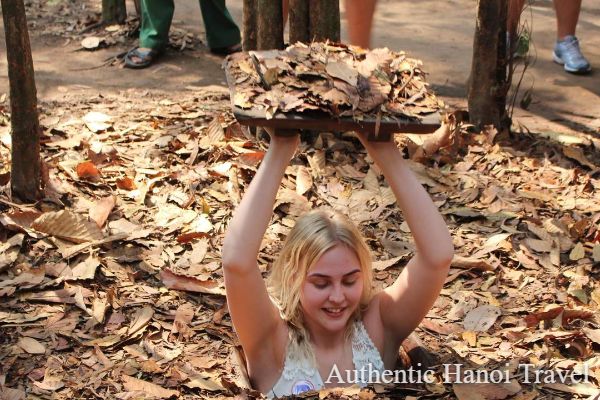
(221, 30)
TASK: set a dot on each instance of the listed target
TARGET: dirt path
(439, 33)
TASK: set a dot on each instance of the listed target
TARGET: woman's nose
(337, 294)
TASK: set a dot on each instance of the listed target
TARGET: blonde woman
(318, 315)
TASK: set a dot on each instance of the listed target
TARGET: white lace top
(300, 374)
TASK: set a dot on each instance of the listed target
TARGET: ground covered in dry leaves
(112, 288)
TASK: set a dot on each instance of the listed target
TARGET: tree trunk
(324, 20)
(270, 25)
(299, 21)
(249, 25)
(503, 73)
(488, 83)
(114, 11)
(25, 153)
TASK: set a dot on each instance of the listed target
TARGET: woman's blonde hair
(314, 233)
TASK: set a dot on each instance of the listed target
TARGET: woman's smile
(335, 312)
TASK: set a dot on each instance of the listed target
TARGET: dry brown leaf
(183, 317)
(485, 391)
(9, 251)
(99, 306)
(11, 394)
(383, 265)
(582, 389)
(481, 318)
(197, 381)
(97, 121)
(140, 320)
(67, 225)
(577, 154)
(534, 319)
(188, 283)
(126, 183)
(304, 180)
(341, 70)
(541, 246)
(577, 253)
(443, 329)
(150, 390)
(87, 170)
(251, 159)
(215, 132)
(50, 382)
(190, 237)
(592, 334)
(101, 209)
(31, 345)
(85, 269)
(19, 220)
(472, 263)
(26, 279)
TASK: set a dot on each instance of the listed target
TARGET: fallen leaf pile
(331, 78)
(112, 287)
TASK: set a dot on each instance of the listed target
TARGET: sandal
(225, 51)
(145, 57)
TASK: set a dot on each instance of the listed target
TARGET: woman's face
(332, 289)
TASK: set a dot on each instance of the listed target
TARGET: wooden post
(299, 17)
(114, 11)
(488, 83)
(270, 24)
(249, 25)
(25, 151)
(324, 20)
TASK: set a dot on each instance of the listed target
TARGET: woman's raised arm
(254, 316)
(405, 303)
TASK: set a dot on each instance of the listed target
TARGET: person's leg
(567, 15)
(566, 49)
(156, 22)
(221, 31)
(359, 17)
(285, 4)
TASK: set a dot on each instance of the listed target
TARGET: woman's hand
(378, 149)
(283, 145)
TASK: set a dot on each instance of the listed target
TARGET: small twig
(91, 27)
(405, 84)
(106, 62)
(19, 206)
(263, 81)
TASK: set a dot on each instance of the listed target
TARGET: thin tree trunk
(114, 11)
(25, 153)
(250, 25)
(487, 86)
(270, 25)
(324, 20)
(299, 21)
(503, 74)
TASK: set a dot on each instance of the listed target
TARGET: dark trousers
(221, 30)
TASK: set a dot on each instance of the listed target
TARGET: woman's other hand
(285, 145)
